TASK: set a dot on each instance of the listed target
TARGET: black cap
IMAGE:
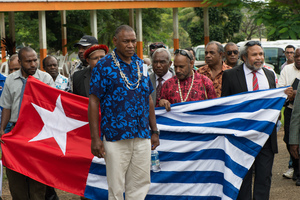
(86, 40)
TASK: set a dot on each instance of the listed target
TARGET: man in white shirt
(161, 62)
(288, 75)
(289, 53)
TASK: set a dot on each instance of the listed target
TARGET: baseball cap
(86, 40)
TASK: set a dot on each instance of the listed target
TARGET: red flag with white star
(53, 132)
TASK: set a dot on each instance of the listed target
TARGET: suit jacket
(234, 82)
(153, 81)
(81, 82)
(295, 125)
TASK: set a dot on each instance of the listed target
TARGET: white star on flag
(56, 124)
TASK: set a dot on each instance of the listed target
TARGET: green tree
(223, 24)
(281, 17)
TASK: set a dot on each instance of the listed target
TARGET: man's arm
(97, 147)
(152, 123)
(4, 121)
(295, 126)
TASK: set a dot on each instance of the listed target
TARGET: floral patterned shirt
(202, 89)
(61, 83)
(124, 112)
(217, 81)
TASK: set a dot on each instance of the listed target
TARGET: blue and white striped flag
(206, 147)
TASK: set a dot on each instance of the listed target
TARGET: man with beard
(187, 85)
(252, 76)
(21, 186)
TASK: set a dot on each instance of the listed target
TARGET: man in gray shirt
(21, 187)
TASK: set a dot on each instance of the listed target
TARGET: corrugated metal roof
(57, 5)
(45, 1)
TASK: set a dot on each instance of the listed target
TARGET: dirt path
(282, 189)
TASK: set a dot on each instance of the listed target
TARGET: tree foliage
(281, 17)
(223, 24)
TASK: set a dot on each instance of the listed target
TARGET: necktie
(255, 82)
(158, 88)
(22, 92)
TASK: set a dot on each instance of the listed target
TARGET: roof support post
(93, 17)
(206, 25)
(63, 15)
(131, 18)
(2, 29)
(42, 37)
(139, 32)
(11, 21)
(175, 29)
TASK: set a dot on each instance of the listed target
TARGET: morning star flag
(206, 147)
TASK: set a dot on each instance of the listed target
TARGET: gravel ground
(282, 188)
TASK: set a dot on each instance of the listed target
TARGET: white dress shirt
(263, 82)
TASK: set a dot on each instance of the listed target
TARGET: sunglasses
(156, 46)
(252, 43)
(184, 53)
(235, 52)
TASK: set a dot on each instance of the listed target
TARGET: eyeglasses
(184, 53)
(252, 43)
(235, 52)
(290, 52)
(156, 46)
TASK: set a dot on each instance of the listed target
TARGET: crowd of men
(127, 89)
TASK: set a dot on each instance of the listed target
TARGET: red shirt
(198, 92)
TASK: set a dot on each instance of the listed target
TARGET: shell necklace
(131, 86)
(179, 88)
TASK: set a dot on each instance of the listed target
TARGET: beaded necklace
(131, 86)
(179, 88)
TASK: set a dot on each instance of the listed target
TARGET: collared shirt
(61, 83)
(217, 81)
(124, 112)
(283, 65)
(10, 97)
(167, 76)
(202, 87)
(263, 82)
(288, 75)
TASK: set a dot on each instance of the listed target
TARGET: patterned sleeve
(211, 93)
(98, 81)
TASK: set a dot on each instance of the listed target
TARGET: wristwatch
(155, 132)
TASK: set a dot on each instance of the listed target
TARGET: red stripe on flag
(43, 160)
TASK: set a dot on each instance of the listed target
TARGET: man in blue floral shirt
(122, 87)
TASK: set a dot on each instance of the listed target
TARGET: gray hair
(159, 50)
(219, 45)
(230, 44)
(244, 49)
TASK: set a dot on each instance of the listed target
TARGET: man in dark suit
(161, 62)
(252, 76)
(81, 79)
